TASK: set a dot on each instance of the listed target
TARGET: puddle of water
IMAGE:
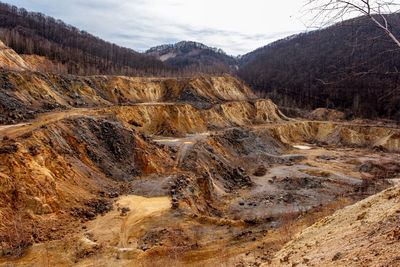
(303, 147)
(168, 140)
(200, 134)
(13, 125)
(395, 181)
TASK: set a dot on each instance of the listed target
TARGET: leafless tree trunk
(327, 12)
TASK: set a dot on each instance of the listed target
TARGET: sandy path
(140, 209)
(46, 118)
(43, 119)
(113, 228)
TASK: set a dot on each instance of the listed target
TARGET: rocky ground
(118, 171)
(80, 181)
(364, 234)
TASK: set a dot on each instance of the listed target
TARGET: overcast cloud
(236, 26)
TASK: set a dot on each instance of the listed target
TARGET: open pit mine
(122, 171)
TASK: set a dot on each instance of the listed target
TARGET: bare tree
(327, 12)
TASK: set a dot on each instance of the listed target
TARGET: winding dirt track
(53, 116)
(43, 119)
(140, 209)
(46, 118)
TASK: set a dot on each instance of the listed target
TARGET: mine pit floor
(144, 229)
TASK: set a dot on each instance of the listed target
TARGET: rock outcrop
(10, 60)
(27, 93)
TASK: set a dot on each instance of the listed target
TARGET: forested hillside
(77, 52)
(248, 57)
(81, 52)
(194, 57)
(351, 66)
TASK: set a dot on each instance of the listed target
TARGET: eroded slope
(364, 234)
(9, 59)
(125, 171)
(24, 94)
(62, 171)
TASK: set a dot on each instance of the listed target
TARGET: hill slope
(73, 51)
(249, 57)
(194, 56)
(364, 234)
(11, 60)
(352, 66)
(81, 52)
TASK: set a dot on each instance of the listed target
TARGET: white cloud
(235, 26)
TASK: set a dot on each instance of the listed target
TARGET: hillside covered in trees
(194, 57)
(81, 52)
(351, 66)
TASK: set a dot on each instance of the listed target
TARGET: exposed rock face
(27, 93)
(180, 119)
(60, 162)
(324, 114)
(63, 165)
(9, 59)
(342, 134)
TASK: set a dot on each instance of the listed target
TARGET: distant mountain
(352, 66)
(193, 55)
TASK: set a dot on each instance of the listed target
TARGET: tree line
(82, 53)
(351, 66)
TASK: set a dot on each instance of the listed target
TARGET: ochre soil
(172, 216)
(122, 171)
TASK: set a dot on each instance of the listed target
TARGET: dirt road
(114, 228)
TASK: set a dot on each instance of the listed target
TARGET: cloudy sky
(236, 26)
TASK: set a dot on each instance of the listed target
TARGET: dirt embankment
(182, 119)
(364, 234)
(62, 167)
(25, 94)
(64, 160)
(80, 164)
(324, 114)
(10, 60)
(338, 134)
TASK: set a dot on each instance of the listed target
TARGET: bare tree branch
(327, 12)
